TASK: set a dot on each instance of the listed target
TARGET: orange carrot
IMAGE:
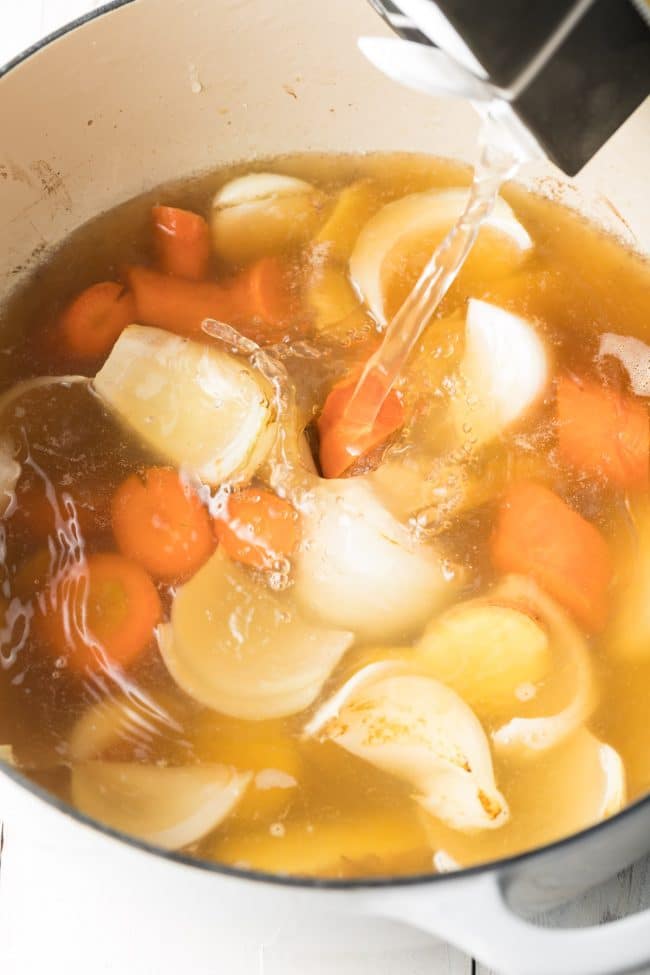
(258, 301)
(161, 524)
(182, 242)
(175, 304)
(343, 438)
(263, 291)
(93, 321)
(603, 432)
(537, 534)
(108, 610)
(258, 528)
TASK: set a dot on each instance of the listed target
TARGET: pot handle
(475, 916)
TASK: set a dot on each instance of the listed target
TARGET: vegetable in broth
(235, 621)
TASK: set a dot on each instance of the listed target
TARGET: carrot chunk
(182, 242)
(258, 528)
(263, 291)
(161, 524)
(344, 438)
(259, 301)
(539, 535)
(176, 304)
(106, 611)
(603, 432)
(93, 321)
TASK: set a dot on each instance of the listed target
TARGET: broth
(450, 492)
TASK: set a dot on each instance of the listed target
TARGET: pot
(144, 91)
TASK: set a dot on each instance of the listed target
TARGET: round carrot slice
(258, 528)
(94, 320)
(104, 612)
(160, 523)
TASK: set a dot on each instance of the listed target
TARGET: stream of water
(494, 167)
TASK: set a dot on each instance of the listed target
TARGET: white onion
(263, 212)
(555, 794)
(136, 719)
(237, 647)
(197, 406)
(359, 569)
(530, 735)
(259, 186)
(417, 213)
(422, 732)
(503, 371)
(167, 806)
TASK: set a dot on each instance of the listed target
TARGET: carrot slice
(93, 321)
(603, 432)
(344, 438)
(258, 528)
(107, 611)
(539, 535)
(161, 523)
(182, 242)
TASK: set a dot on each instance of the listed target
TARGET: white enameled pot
(148, 90)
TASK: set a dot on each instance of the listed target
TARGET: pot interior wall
(160, 88)
(157, 89)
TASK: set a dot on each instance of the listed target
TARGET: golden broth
(312, 807)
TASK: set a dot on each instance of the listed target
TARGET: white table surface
(46, 938)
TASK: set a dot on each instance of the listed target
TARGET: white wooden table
(45, 937)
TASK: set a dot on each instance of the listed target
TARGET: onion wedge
(556, 794)
(135, 720)
(359, 569)
(503, 372)
(165, 806)
(418, 213)
(422, 732)
(262, 212)
(197, 406)
(535, 734)
(235, 646)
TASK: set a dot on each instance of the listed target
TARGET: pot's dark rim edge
(60, 32)
(210, 866)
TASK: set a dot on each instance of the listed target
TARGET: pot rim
(283, 880)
